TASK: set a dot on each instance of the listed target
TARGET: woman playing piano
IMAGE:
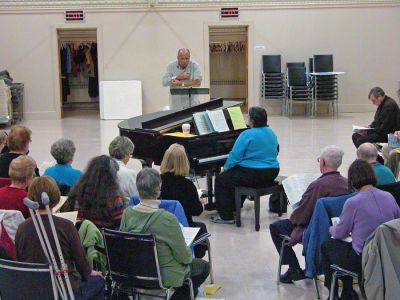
(253, 161)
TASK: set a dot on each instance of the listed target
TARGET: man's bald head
(367, 152)
(183, 57)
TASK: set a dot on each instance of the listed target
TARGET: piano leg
(210, 192)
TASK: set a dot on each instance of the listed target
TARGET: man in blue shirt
(368, 152)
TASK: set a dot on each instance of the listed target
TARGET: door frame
(56, 58)
(251, 101)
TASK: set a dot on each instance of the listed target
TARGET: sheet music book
(218, 120)
(393, 140)
(70, 215)
(357, 128)
(189, 233)
(296, 185)
(236, 117)
(336, 221)
(57, 208)
(202, 123)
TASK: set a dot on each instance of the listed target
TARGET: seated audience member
(368, 152)
(18, 142)
(90, 284)
(386, 119)
(21, 173)
(97, 195)
(121, 149)
(3, 141)
(175, 186)
(392, 157)
(175, 258)
(252, 162)
(63, 152)
(361, 215)
(330, 183)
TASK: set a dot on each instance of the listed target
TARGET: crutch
(46, 246)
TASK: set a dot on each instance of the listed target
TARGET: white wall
(138, 45)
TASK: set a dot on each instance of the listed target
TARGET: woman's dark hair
(97, 188)
(258, 116)
(360, 174)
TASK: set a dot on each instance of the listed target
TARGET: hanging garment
(74, 66)
(89, 61)
(65, 90)
(94, 80)
(68, 50)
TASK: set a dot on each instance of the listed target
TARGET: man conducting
(182, 73)
(386, 120)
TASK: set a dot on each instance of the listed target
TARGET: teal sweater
(254, 148)
(383, 174)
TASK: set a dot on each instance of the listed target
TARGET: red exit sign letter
(231, 12)
(74, 15)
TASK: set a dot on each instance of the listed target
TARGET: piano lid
(163, 120)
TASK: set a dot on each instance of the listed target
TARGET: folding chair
(285, 243)
(133, 265)
(20, 280)
(337, 273)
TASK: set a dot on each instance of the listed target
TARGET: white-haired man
(182, 73)
(369, 153)
(330, 183)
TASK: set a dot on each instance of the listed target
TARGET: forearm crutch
(46, 246)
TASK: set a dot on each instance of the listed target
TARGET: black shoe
(292, 275)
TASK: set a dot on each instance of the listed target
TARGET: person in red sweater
(21, 173)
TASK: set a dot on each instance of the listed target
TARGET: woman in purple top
(361, 215)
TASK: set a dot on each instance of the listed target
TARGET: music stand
(189, 91)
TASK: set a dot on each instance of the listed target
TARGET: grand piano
(206, 153)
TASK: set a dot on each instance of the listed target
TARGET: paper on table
(236, 117)
(57, 208)
(357, 128)
(189, 233)
(336, 221)
(218, 120)
(70, 215)
(296, 185)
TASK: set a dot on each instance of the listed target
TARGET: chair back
(4, 181)
(295, 65)
(20, 280)
(132, 259)
(393, 188)
(296, 76)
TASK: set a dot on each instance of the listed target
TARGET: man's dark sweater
(387, 117)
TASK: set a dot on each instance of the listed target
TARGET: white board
(120, 99)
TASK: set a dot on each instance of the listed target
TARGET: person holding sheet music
(330, 183)
(253, 161)
(386, 119)
(361, 215)
(86, 283)
(182, 73)
(174, 256)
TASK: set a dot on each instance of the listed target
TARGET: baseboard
(42, 115)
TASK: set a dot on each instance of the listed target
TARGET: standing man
(182, 73)
(386, 120)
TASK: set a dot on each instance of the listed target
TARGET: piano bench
(256, 193)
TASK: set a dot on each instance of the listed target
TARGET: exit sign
(74, 15)
(231, 12)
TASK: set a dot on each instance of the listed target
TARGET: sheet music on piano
(218, 120)
(202, 123)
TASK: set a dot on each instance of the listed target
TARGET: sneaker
(292, 275)
(217, 219)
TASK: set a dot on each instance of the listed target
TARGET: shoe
(218, 220)
(292, 275)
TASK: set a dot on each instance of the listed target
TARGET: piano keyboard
(212, 159)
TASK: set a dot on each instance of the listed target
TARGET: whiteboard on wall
(120, 99)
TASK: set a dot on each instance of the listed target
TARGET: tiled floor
(245, 261)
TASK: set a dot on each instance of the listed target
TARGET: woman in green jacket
(174, 256)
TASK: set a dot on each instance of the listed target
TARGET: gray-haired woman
(175, 258)
(121, 149)
(63, 151)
